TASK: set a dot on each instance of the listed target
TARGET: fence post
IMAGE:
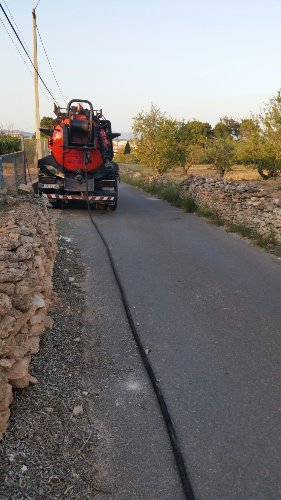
(23, 157)
(2, 183)
(24, 166)
(16, 171)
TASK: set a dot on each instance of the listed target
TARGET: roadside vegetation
(9, 144)
(165, 144)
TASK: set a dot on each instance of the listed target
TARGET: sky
(192, 59)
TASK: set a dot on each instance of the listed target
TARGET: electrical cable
(16, 25)
(39, 76)
(21, 55)
(47, 57)
(26, 46)
(13, 42)
(186, 484)
(37, 4)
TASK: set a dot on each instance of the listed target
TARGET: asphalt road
(208, 308)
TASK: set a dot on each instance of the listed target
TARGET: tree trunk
(265, 176)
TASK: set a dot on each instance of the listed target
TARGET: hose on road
(186, 484)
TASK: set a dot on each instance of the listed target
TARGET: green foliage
(249, 147)
(196, 132)
(210, 213)
(267, 241)
(221, 153)
(195, 154)
(9, 144)
(232, 125)
(227, 127)
(47, 122)
(259, 141)
(163, 143)
(127, 149)
(270, 163)
(171, 193)
(188, 204)
(158, 141)
(127, 159)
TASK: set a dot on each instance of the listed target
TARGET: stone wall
(27, 253)
(237, 203)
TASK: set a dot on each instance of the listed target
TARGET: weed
(170, 193)
(188, 204)
(242, 229)
(267, 241)
(210, 213)
(12, 192)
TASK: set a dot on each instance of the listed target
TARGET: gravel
(49, 449)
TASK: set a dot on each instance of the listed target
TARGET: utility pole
(36, 93)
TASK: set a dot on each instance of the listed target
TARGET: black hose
(186, 484)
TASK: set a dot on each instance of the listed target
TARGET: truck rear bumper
(97, 199)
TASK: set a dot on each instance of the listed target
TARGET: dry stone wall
(27, 253)
(237, 202)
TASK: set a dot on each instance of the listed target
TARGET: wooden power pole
(36, 93)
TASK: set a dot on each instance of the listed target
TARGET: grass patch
(188, 204)
(210, 213)
(242, 229)
(267, 241)
(170, 193)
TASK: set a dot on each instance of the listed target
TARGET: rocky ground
(49, 449)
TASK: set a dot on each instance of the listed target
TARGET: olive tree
(221, 153)
(158, 140)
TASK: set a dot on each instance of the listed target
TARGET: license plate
(49, 186)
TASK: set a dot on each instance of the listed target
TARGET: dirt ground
(49, 450)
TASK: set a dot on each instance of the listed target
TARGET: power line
(37, 4)
(26, 46)
(21, 55)
(15, 45)
(7, 17)
(13, 42)
(47, 57)
(16, 24)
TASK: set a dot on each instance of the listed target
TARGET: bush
(170, 193)
(9, 144)
(188, 204)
